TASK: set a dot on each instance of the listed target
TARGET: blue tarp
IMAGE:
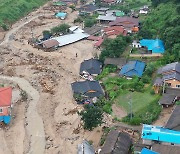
(133, 68)
(147, 151)
(156, 133)
(156, 46)
(5, 119)
(61, 15)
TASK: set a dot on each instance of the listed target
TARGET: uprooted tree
(92, 117)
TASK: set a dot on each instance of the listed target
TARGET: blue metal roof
(61, 14)
(147, 151)
(5, 119)
(161, 134)
(133, 68)
(156, 46)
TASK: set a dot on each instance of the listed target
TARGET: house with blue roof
(147, 151)
(162, 135)
(61, 15)
(133, 68)
(155, 46)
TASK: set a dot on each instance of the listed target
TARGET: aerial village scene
(90, 77)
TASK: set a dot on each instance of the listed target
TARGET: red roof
(94, 38)
(115, 30)
(5, 96)
(125, 22)
(98, 43)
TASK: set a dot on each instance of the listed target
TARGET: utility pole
(163, 86)
(130, 106)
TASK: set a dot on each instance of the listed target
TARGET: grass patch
(106, 70)
(139, 100)
(146, 115)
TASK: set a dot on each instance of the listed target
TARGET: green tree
(89, 22)
(46, 32)
(114, 47)
(91, 116)
(61, 29)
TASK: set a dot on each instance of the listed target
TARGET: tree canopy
(92, 117)
(164, 23)
(63, 28)
(114, 47)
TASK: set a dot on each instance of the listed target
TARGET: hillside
(12, 10)
(164, 23)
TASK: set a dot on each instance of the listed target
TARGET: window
(168, 84)
(1, 110)
(178, 86)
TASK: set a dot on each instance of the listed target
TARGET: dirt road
(10, 33)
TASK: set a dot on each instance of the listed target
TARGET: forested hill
(12, 10)
(164, 23)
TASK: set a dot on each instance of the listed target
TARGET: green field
(139, 100)
(12, 10)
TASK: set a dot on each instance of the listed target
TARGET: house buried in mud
(5, 104)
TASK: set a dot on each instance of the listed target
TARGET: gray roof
(117, 143)
(174, 75)
(119, 62)
(158, 82)
(167, 99)
(106, 18)
(170, 67)
(166, 149)
(87, 88)
(92, 66)
(110, 142)
(103, 9)
(93, 30)
(88, 8)
(85, 148)
(174, 120)
(174, 91)
(123, 144)
(70, 38)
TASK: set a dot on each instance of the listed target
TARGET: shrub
(146, 79)
(178, 103)
(152, 92)
(78, 20)
(89, 22)
(107, 108)
(5, 27)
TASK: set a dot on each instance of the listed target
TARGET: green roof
(119, 14)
